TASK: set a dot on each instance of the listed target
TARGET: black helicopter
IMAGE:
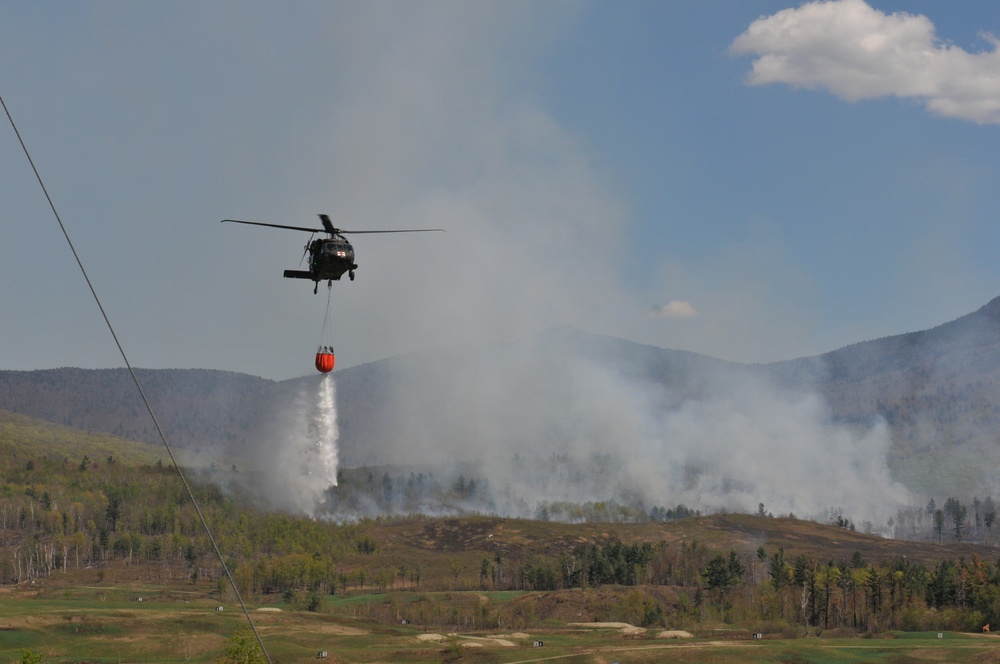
(331, 257)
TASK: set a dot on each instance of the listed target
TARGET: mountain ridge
(937, 390)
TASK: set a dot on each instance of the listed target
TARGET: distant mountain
(938, 389)
(196, 408)
(863, 378)
(565, 392)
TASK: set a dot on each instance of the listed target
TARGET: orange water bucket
(325, 359)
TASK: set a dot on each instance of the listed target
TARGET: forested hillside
(938, 390)
(566, 410)
(113, 520)
(198, 409)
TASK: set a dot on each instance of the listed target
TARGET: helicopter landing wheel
(316, 288)
(351, 275)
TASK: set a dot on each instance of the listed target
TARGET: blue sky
(750, 180)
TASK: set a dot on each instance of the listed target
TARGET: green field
(109, 624)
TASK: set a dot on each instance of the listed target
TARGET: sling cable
(325, 359)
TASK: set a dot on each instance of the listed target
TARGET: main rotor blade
(332, 230)
(404, 230)
(291, 228)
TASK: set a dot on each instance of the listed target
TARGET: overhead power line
(135, 380)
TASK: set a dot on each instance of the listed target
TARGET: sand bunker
(430, 637)
(624, 627)
(674, 634)
(478, 641)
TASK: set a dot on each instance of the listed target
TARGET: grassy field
(23, 437)
(109, 624)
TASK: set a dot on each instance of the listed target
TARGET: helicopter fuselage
(329, 259)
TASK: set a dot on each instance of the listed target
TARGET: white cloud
(674, 309)
(858, 52)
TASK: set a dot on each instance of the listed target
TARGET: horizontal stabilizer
(298, 274)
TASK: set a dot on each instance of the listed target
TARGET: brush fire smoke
(561, 425)
(538, 235)
(557, 425)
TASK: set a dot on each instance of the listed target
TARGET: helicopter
(329, 257)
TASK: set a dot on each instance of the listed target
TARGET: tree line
(58, 515)
(854, 594)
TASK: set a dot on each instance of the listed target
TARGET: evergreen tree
(779, 575)
(958, 519)
(114, 512)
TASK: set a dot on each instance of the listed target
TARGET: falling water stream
(299, 462)
(320, 456)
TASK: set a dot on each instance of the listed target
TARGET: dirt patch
(496, 640)
(455, 535)
(334, 629)
(273, 620)
(600, 625)
(624, 628)
(484, 641)
(674, 634)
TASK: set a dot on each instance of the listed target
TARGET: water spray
(323, 434)
(320, 453)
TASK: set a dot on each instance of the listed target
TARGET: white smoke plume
(565, 420)
(422, 126)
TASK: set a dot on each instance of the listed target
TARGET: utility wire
(135, 380)
(326, 317)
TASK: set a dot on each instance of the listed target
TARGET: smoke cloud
(570, 417)
(425, 128)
